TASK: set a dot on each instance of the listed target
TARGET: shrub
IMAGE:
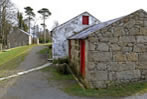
(61, 61)
(62, 68)
(61, 65)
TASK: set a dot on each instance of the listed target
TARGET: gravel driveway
(35, 85)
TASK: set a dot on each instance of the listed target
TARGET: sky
(63, 10)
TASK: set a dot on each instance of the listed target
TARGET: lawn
(10, 59)
(11, 54)
(128, 89)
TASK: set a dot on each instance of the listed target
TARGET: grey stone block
(102, 47)
(117, 67)
(101, 66)
(129, 75)
(101, 75)
(142, 39)
(142, 57)
(100, 84)
(97, 56)
(127, 39)
(115, 47)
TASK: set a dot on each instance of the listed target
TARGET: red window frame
(85, 20)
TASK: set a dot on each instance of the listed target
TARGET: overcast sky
(63, 10)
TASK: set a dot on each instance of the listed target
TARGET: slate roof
(25, 32)
(86, 32)
(83, 34)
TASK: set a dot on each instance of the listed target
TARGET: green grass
(127, 89)
(57, 75)
(11, 54)
(115, 91)
(43, 51)
(47, 50)
(11, 59)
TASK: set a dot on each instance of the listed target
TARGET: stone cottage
(65, 30)
(19, 37)
(111, 52)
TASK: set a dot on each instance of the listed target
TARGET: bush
(61, 65)
(62, 68)
(61, 61)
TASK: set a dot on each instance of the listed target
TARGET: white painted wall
(61, 33)
(30, 40)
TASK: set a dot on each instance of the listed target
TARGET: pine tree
(45, 14)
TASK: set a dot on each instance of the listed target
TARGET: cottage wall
(118, 53)
(18, 38)
(61, 33)
(75, 56)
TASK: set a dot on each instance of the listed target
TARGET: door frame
(82, 57)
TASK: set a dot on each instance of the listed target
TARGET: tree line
(11, 18)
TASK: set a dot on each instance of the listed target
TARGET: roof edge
(137, 11)
(74, 18)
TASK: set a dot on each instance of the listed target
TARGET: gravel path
(35, 85)
(33, 59)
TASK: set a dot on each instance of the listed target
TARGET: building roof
(83, 34)
(75, 18)
(86, 32)
(25, 32)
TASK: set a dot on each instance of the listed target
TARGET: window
(85, 20)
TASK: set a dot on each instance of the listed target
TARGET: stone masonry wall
(118, 52)
(75, 56)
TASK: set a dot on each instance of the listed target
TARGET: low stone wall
(118, 53)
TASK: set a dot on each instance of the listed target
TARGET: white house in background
(67, 29)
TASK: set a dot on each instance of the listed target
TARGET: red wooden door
(82, 67)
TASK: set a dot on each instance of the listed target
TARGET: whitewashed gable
(62, 32)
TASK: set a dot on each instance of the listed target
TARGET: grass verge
(11, 59)
(56, 75)
(47, 50)
(11, 54)
(115, 91)
(127, 89)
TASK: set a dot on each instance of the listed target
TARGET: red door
(82, 68)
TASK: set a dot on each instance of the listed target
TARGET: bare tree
(7, 19)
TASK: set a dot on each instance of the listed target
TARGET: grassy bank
(10, 59)
(116, 91)
(128, 89)
(47, 50)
